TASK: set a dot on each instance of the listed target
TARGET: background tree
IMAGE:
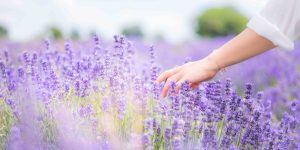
(220, 22)
(3, 32)
(133, 31)
(54, 32)
(75, 35)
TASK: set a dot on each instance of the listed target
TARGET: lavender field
(102, 95)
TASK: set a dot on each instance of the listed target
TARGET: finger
(194, 85)
(179, 84)
(174, 78)
(167, 74)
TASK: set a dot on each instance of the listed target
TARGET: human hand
(193, 72)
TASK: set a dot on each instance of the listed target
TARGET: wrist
(213, 58)
(212, 64)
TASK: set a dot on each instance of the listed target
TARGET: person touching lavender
(276, 25)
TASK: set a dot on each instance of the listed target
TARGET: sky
(27, 19)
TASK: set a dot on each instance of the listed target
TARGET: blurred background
(75, 61)
(155, 20)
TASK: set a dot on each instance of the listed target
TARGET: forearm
(244, 46)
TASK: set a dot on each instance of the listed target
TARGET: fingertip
(161, 78)
(164, 94)
(177, 89)
(156, 82)
(194, 87)
(165, 90)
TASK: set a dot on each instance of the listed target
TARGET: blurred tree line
(133, 31)
(3, 32)
(211, 23)
(220, 22)
(56, 33)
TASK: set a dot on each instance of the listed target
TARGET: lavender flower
(98, 96)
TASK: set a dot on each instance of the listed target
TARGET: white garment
(278, 21)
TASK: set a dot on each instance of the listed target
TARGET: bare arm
(245, 45)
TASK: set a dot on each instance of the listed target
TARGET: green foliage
(159, 37)
(220, 22)
(75, 34)
(55, 33)
(6, 121)
(3, 32)
(133, 31)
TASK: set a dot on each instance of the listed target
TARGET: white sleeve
(278, 21)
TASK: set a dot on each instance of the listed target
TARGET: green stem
(220, 131)
(238, 142)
